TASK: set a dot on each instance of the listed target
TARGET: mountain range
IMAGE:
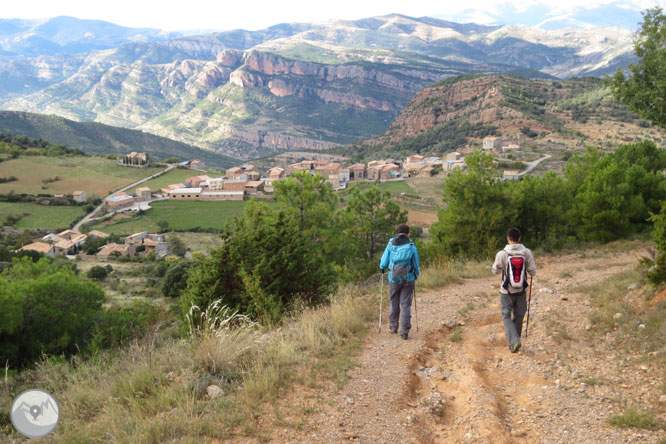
(97, 138)
(291, 86)
(457, 113)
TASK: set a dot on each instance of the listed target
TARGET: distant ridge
(97, 138)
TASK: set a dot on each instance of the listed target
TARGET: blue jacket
(386, 261)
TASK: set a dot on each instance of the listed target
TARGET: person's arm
(499, 264)
(417, 270)
(384, 263)
(531, 263)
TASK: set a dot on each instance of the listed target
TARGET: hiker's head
(402, 229)
(513, 235)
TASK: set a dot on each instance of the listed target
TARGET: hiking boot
(393, 330)
(403, 335)
(515, 347)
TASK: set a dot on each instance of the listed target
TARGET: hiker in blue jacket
(402, 261)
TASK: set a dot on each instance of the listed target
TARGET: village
(245, 180)
(238, 183)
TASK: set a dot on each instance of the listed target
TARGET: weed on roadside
(633, 417)
(456, 335)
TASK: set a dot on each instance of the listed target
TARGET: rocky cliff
(301, 86)
(457, 113)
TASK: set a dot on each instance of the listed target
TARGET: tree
(541, 206)
(98, 273)
(371, 219)
(478, 210)
(176, 246)
(171, 160)
(163, 225)
(263, 266)
(644, 91)
(310, 197)
(50, 311)
(175, 279)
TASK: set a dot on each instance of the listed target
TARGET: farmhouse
(253, 186)
(165, 191)
(390, 171)
(417, 169)
(80, 196)
(143, 194)
(40, 247)
(120, 249)
(75, 237)
(222, 195)
(185, 193)
(246, 171)
(160, 248)
(118, 201)
(234, 185)
(136, 238)
(214, 184)
(328, 170)
(357, 172)
(374, 171)
(95, 234)
(135, 159)
(413, 159)
(196, 181)
(491, 143)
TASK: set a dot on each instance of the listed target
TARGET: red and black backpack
(514, 275)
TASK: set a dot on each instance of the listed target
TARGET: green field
(181, 215)
(40, 216)
(94, 175)
(395, 187)
(177, 175)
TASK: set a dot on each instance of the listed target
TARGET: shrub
(98, 273)
(45, 309)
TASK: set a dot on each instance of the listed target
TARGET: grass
(181, 215)
(444, 272)
(43, 217)
(96, 175)
(633, 417)
(177, 175)
(155, 390)
(456, 334)
(557, 330)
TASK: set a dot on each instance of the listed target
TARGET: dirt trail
(468, 388)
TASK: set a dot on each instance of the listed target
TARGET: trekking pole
(529, 302)
(381, 301)
(416, 312)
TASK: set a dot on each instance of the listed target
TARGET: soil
(559, 388)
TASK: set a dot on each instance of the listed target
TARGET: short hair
(513, 234)
(402, 228)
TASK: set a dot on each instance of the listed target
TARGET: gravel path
(432, 389)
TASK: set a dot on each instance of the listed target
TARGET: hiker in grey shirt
(514, 261)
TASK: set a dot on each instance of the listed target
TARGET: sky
(258, 14)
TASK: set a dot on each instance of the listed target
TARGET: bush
(264, 266)
(116, 326)
(175, 279)
(98, 273)
(44, 309)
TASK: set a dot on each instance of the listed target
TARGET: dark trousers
(517, 304)
(401, 305)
